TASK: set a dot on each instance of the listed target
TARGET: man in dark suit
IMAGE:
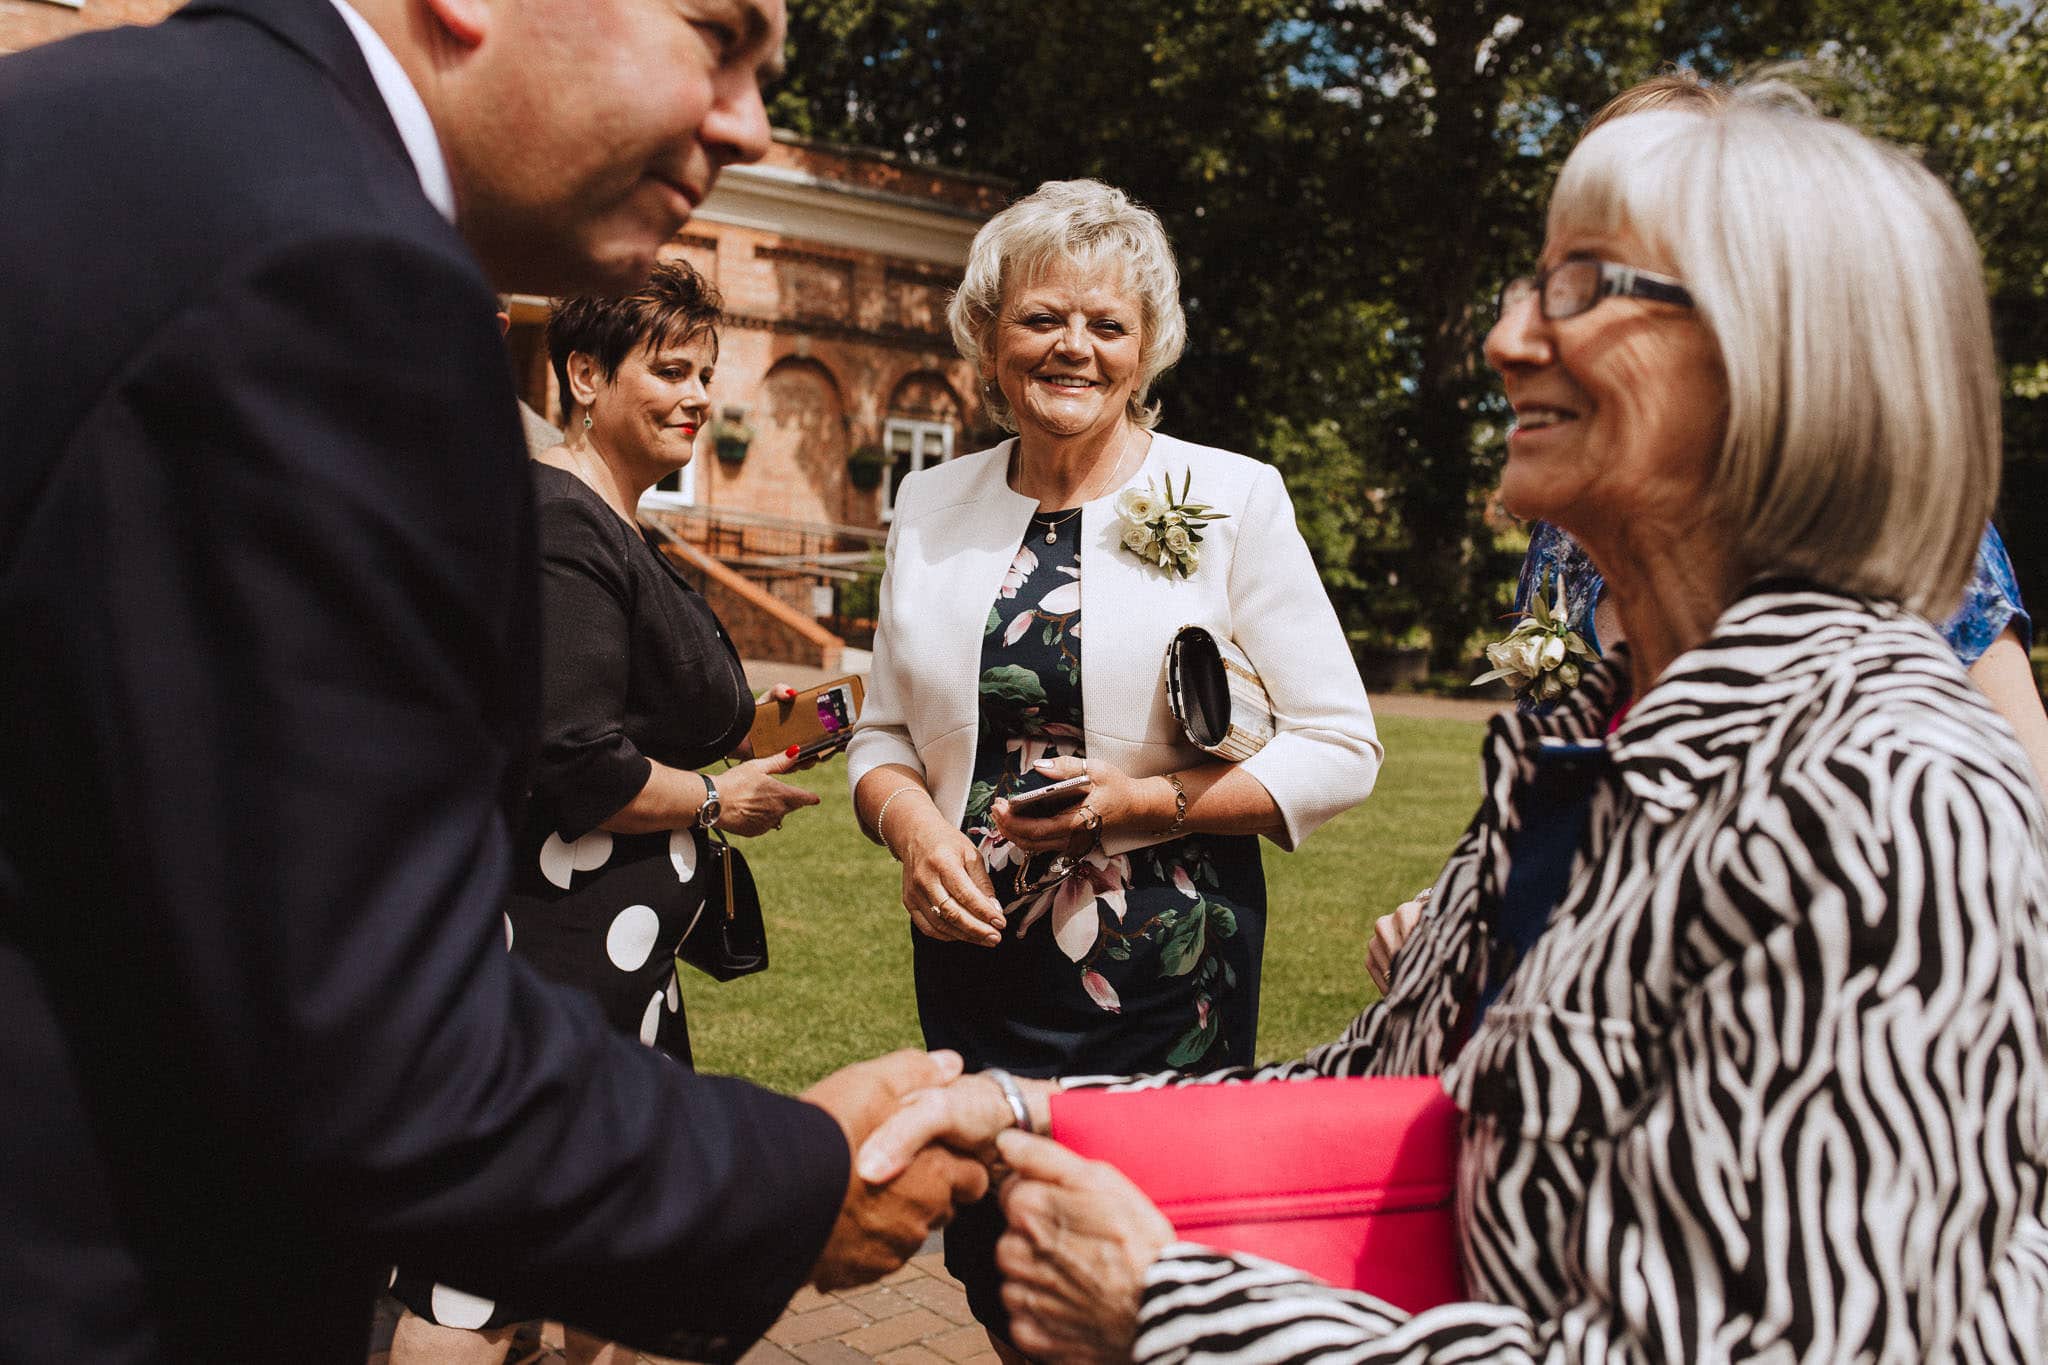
(267, 658)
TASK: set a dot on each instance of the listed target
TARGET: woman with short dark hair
(641, 688)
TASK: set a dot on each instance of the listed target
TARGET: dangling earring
(586, 421)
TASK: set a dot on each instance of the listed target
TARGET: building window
(680, 488)
(912, 446)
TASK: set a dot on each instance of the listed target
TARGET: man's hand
(965, 1116)
(882, 1225)
(1081, 1240)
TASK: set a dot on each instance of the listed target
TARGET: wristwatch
(707, 814)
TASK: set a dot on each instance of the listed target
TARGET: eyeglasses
(1574, 285)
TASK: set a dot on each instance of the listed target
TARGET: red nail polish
(792, 751)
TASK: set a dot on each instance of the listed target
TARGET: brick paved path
(917, 1316)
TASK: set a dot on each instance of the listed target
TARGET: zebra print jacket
(1771, 1084)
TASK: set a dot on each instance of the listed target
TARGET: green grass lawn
(839, 986)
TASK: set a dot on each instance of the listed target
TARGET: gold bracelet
(1180, 806)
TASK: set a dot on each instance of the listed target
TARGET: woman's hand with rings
(753, 799)
(1081, 1238)
(1078, 828)
(1389, 932)
(946, 887)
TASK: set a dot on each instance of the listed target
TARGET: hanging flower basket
(730, 440)
(865, 467)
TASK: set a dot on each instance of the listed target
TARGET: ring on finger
(1091, 819)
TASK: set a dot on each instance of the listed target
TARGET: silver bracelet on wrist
(881, 834)
(1014, 1095)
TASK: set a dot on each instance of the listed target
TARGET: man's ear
(584, 377)
(465, 21)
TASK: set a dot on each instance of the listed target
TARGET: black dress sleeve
(589, 766)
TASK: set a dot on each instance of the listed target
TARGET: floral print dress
(1147, 959)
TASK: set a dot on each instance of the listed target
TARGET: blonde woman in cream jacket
(1023, 641)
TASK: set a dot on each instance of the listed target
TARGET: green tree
(1969, 98)
(1347, 183)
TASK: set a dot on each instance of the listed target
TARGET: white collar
(415, 127)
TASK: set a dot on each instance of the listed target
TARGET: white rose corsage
(1164, 529)
(1542, 658)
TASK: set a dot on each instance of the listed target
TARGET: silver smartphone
(1052, 798)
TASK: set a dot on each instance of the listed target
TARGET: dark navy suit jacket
(267, 683)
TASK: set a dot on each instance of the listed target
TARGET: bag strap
(725, 857)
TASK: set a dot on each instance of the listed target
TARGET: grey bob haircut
(1844, 290)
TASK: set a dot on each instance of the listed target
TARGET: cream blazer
(957, 527)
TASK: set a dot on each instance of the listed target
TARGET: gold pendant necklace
(1115, 471)
(1052, 527)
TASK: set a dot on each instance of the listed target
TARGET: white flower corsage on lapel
(1543, 657)
(1164, 529)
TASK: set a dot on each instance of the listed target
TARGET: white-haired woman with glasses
(1740, 975)
(1990, 630)
(1025, 616)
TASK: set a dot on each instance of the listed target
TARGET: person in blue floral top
(1990, 632)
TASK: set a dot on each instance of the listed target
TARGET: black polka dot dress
(635, 668)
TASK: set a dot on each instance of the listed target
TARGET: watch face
(707, 813)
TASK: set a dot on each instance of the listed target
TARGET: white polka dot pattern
(453, 1308)
(631, 938)
(682, 852)
(650, 1022)
(559, 861)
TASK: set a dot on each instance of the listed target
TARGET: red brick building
(835, 265)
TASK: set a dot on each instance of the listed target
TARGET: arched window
(920, 430)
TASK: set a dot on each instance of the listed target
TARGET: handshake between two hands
(926, 1138)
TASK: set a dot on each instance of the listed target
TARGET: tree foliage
(1347, 181)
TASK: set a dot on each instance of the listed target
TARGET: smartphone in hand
(816, 723)
(1051, 799)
